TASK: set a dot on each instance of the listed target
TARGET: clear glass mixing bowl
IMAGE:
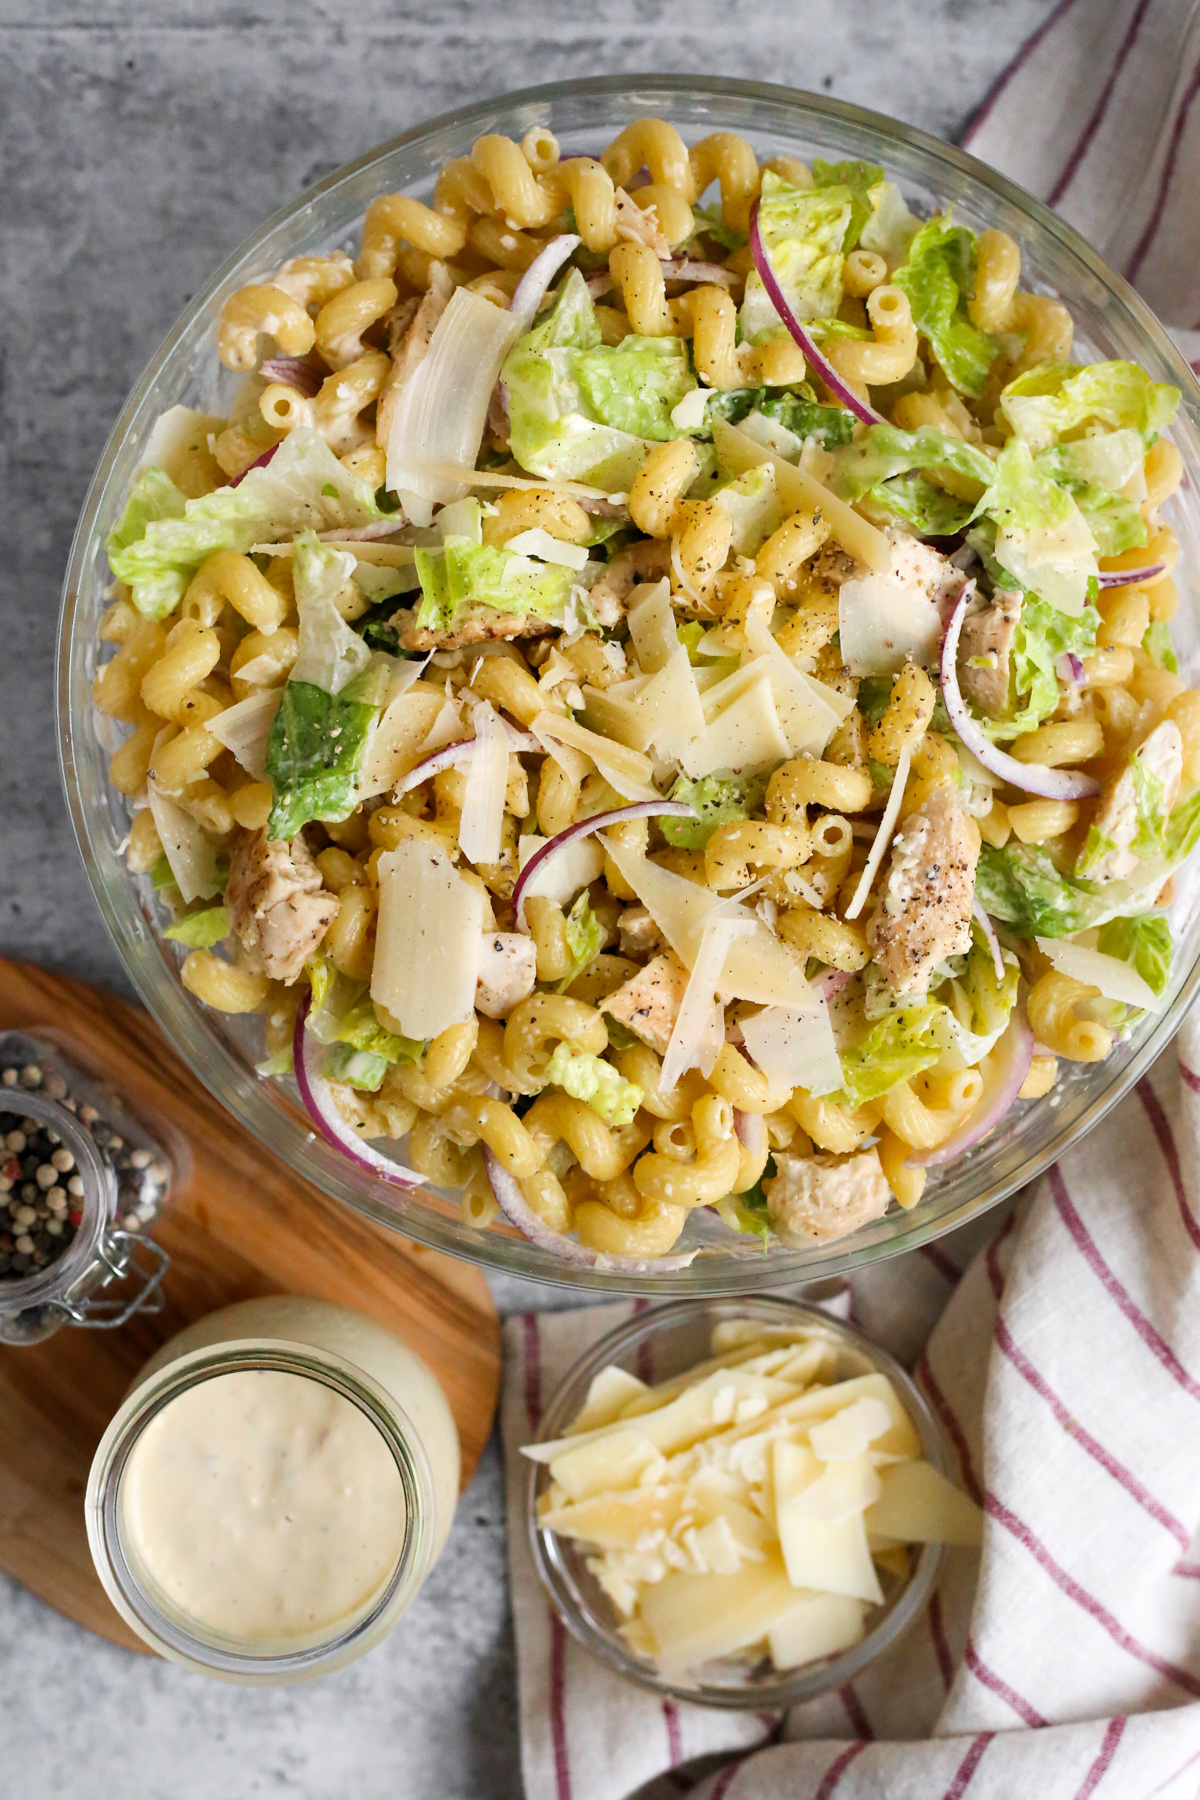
(1111, 321)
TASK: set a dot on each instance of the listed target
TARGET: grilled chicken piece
(985, 652)
(924, 912)
(646, 561)
(814, 1198)
(638, 932)
(507, 972)
(649, 1002)
(1161, 756)
(472, 625)
(409, 353)
(278, 908)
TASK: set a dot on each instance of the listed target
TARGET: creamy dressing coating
(263, 1506)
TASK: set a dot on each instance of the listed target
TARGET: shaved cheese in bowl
(883, 623)
(426, 940)
(795, 1047)
(1115, 979)
(883, 836)
(745, 1518)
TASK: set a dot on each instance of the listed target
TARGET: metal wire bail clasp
(125, 1258)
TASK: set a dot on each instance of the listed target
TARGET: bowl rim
(788, 1687)
(159, 988)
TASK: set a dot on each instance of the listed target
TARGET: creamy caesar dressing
(263, 1506)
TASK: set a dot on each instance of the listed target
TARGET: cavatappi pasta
(666, 546)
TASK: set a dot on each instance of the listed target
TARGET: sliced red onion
(1069, 667)
(603, 509)
(1032, 778)
(293, 372)
(452, 756)
(820, 365)
(1003, 1077)
(640, 809)
(1130, 577)
(518, 1212)
(497, 422)
(751, 1132)
(989, 932)
(260, 462)
(538, 276)
(314, 1091)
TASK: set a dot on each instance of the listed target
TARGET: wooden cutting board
(243, 1225)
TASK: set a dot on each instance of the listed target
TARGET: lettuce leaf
(1144, 942)
(154, 497)
(1157, 645)
(315, 755)
(303, 488)
(1052, 399)
(1042, 538)
(799, 416)
(1021, 886)
(938, 275)
(586, 938)
(1114, 521)
(467, 571)
(330, 653)
(897, 1047)
(719, 799)
(582, 410)
(748, 1213)
(884, 451)
(927, 510)
(1042, 635)
(358, 1068)
(710, 222)
(201, 930)
(978, 1005)
(590, 1079)
(891, 228)
(861, 181)
(802, 231)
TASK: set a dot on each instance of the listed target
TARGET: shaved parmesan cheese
(671, 701)
(617, 1460)
(883, 623)
(562, 876)
(538, 542)
(688, 413)
(608, 1394)
(426, 940)
(851, 1432)
(447, 725)
(809, 711)
(883, 836)
(405, 675)
(620, 716)
(678, 907)
(795, 1047)
(693, 1618)
(246, 728)
(192, 859)
(699, 1030)
(917, 1505)
(801, 492)
(817, 1625)
(440, 414)
(760, 967)
(744, 735)
(481, 825)
(842, 1490)
(628, 771)
(652, 626)
(828, 1553)
(1115, 979)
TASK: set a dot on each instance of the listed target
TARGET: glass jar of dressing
(273, 1491)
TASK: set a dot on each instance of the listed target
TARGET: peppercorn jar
(83, 1176)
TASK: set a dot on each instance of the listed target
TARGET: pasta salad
(659, 692)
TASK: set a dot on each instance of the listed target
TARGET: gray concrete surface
(139, 143)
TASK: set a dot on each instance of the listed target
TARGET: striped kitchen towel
(1064, 1661)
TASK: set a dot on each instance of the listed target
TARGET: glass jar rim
(54, 1282)
(788, 1688)
(132, 1597)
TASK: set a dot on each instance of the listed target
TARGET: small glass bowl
(656, 1345)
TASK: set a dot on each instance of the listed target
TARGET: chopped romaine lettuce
(1150, 795)
(1021, 886)
(303, 488)
(978, 1006)
(466, 571)
(586, 937)
(315, 755)
(1052, 399)
(883, 451)
(153, 497)
(862, 181)
(330, 653)
(938, 275)
(799, 414)
(1042, 538)
(201, 930)
(802, 231)
(1144, 942)
(1114, 521)
(1041, 636)
(891, 228)
(1183, 830)
(1157, 644)
(582, 410)
(710, 222)
(901, 1045)
(719, 799)
(358, 1068)
(927, 510)
(748, 1212)
(590, 1079)
(753, 506)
